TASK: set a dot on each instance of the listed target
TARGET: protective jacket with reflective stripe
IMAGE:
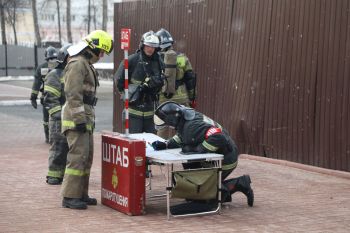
(39, 76)
(80, 80)
(140, 66)
(54, 96)
(192, 134)
(182, 93)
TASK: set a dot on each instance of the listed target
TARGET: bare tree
(94, 8)
(36, 25)
(69, 28)
(2, 16)
(89, 17)
(12, 16)
(104, 15)
(59, 21)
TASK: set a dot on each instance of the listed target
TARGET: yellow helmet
(101, 40)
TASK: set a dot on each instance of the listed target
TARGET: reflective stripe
(54, 109)
(212, 131)
(209, 147)
(52, 90)
(35, 92)
(68, 124)
(229, 166)
(140, 113)
(180, 61)
(177, 139)
(74, 172)
(62, 80)
(71, 125)
(78, 109)
(150, 113)
(58, 174)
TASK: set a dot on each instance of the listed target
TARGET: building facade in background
(48, 21)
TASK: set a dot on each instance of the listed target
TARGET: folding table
(170, 157)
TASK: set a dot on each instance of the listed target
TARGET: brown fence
(275, 73)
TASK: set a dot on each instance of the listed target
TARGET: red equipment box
(123, 174)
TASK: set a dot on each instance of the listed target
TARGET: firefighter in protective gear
(145, 83)
(197, 133)
(53, 100)
(38, 85)
(78, 116)
(180, 84)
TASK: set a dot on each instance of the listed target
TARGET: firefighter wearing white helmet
(145, 83)
(180, 84)
(78, 116)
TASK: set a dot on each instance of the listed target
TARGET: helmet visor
(157, 121)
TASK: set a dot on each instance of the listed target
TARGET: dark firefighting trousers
(58, 150)
(45, 122)
(79, 161)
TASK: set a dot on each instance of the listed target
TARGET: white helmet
(150, 39)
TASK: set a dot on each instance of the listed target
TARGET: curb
(330, 172)
(16, 78)
(16, 102)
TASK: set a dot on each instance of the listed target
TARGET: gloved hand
(33, 100)
(81, 127)
(193, 104)
(158, 145)
(168, 95)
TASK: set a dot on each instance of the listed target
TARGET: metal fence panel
(274, 73)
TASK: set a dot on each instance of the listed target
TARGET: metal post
(6, 67)
(126, 89)
(35, 56)
(125, 44)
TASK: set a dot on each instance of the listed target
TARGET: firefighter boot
(74, 203)
(89, 200)
(53, 180)
(241, 184)
(225, 194)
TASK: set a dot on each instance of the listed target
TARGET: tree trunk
(59, 21)
(69, 28)
(89, 17)
(94, 7)
(14, 25)
(36, 25)
(2, 18)
(104, 15)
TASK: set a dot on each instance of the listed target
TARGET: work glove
(158, 145)
(168, 95)
(81, 127)
(193, 104)
(33, 100)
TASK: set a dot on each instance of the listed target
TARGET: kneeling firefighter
(197, 133)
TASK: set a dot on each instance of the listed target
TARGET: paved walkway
(287, 198)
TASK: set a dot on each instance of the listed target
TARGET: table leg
(168, 193)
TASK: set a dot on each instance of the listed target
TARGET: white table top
(171, 156)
